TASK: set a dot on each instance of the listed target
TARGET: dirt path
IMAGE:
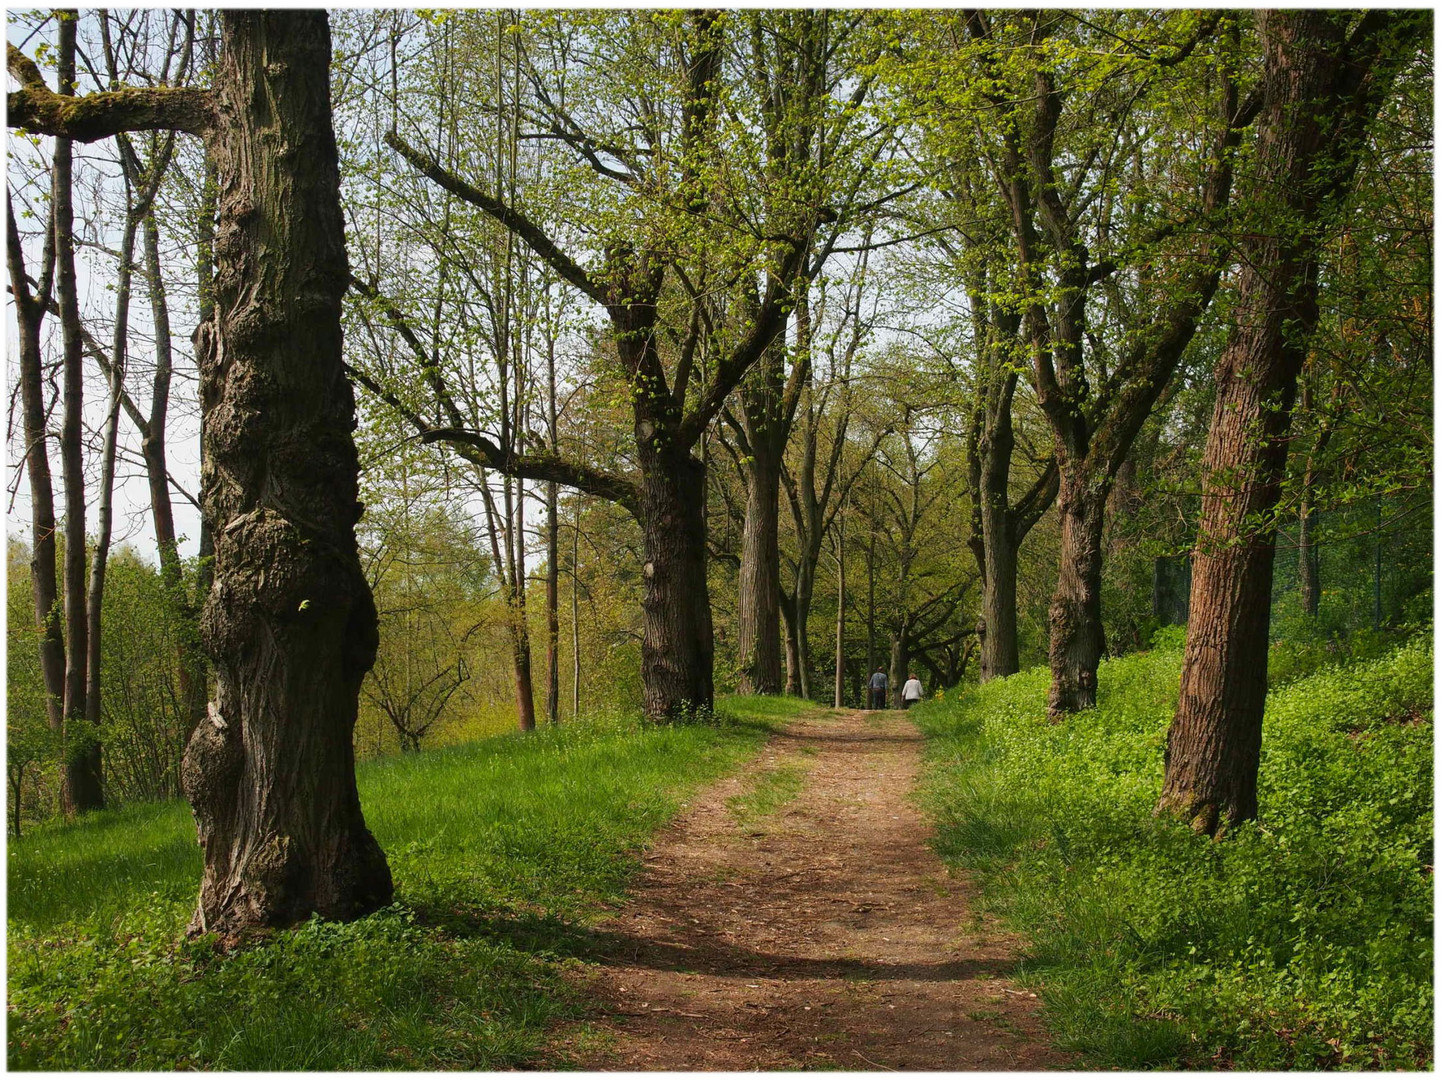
(818, 932)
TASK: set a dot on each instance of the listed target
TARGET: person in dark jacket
(877, 687)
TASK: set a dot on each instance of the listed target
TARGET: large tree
(289, 621)
(695, 267)
(801, 63)
(1327, 74)
(1085, 258)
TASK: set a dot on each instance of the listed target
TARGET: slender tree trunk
(521, 655)
(805, 591)
(29, 314)
(1077, 639)
(1307, 562)
(576, 614)
(758, 615)
(104, 504)
(839, 694)
(289, 622)
(677, 650)
(999, 652)
(1307, 558)
(787, 604)
(870, 604)
(1320, 93)
(553, 612)
(501, 525)
(997, 529)
(553, 537)
(520, 628)
(82, 785)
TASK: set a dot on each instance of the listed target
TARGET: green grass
(1301, 941)
(770, 790)
(503, 852)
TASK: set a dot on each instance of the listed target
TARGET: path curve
(823, 934)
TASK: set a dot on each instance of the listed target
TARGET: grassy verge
(502, 852)
(1300, 941)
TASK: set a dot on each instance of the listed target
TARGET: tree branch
(35, 107)
(534, 237)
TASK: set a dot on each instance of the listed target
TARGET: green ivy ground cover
(1303, 940)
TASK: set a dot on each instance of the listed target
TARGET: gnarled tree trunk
(289, 622)
(677, 650)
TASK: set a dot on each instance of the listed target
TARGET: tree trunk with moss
(289, 622)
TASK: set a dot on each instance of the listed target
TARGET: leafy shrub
(1302, 940)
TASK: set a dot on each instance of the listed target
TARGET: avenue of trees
(543, 363)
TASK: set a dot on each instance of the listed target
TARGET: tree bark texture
(289, 621)
(1321, 90)
(1075, 616)
(677, 649)
(793, 645)
(998, 528)
(521, 663)
(1308, 569)
(769, 398)
(839, 690)
(805, 593)
(900, 663)
(758, 611)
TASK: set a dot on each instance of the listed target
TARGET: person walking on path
(878, 689)
(911, 692)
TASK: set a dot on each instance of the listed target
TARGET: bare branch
(517, 222)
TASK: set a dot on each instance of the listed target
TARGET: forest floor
(794, 916)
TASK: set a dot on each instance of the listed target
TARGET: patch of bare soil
(819, 933)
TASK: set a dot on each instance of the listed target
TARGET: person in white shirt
(911, 693)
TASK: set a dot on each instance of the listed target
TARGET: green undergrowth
(1300, 941)
(503, 853)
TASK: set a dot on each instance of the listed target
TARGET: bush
(1302, 940)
